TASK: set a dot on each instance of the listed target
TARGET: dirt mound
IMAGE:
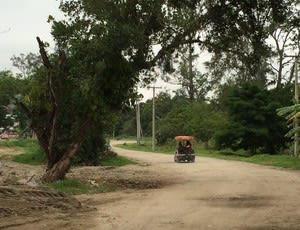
(126, 177)
(12, 173)
(21, 202)
(20, 207)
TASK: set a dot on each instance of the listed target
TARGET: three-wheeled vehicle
(184, 152)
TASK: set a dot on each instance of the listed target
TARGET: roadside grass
(31, 156)
(76, 187)
(116, 161)
(278, 160)
(146, 146)
(73, 186)
(32, 153)
(18, 143)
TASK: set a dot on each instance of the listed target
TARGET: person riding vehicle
(184, 153)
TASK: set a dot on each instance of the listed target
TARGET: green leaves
(253, 122)
(291, 113)
(11, 87)
(293, 109)
(238, 33)
(198, 119)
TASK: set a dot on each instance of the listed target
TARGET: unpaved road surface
(207, 194)
(156, 194)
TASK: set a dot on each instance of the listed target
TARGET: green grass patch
(283, 161)
(147, 147)
(277, 160)
(75, 187)
(31, 157)
(32, 153)
(116, 161)
(24, 143)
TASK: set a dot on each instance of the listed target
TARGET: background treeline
(242, 117)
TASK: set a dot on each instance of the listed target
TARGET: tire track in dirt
(23, 206)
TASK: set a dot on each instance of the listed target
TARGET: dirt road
(207, 194)
(155, 194)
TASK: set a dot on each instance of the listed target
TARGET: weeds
(76, 187)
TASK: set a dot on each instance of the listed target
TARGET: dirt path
(207, 194)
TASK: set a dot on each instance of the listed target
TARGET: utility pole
(296, 141)
(138, 124)
(153, 116)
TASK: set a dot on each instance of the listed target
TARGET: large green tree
(10, 88)
(237, 35)
(199, 119)
(26, 63)
(253, 122)
(286, 39)
(193, 84)
(163, 104)
(103, 46)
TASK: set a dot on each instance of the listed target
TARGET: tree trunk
(279, 77)
(191, 74)
(59, 169)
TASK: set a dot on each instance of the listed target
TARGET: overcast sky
(21, 21)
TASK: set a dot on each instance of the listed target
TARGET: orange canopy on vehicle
(184, 138)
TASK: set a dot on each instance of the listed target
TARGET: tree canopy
(253, 124)
(10, 88)
(239, 38)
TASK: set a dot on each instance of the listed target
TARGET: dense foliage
(197, 118)
(176, 116)
(239, 33)
(253, 123)
(10, 88)
(243, 118)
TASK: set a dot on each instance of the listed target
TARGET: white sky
(21, 21)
